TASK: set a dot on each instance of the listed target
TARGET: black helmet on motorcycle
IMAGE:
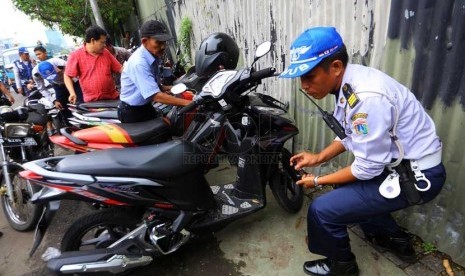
(218, 49)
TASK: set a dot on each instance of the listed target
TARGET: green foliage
(428, 247)
(74, 16)
(185, 39)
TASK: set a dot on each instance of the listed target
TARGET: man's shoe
(1, 234)
(401, 247)
(329, 267)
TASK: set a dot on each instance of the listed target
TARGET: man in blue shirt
(139, 83)
(23, 70)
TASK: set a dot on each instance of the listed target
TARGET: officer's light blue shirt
(138, 83)
(367, 123)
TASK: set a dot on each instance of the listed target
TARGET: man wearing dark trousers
(397, 154)
(139, 82)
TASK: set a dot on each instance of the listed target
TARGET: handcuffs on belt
(405, 178)
(419, 176)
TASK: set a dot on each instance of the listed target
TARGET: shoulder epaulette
(350, 95)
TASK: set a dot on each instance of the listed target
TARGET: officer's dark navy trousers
(359, 202)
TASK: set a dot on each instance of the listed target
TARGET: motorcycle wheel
(21, 214)
(288, 194)
(99, 229)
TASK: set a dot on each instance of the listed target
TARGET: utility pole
(97, 15)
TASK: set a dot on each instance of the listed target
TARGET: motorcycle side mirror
(178, 88)
(262, 49)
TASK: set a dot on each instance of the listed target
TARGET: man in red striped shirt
(93, 65)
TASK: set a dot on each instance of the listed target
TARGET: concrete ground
(269, 242)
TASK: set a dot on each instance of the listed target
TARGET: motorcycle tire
(109, 219)
(113, 218)
(288, 194)
(19, 221)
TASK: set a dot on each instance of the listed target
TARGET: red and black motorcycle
(121, 135)
(158, 194)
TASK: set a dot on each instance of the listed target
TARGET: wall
(419, 43)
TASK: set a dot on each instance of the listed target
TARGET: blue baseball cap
(47, 71)
(311, 47)
(23, 50)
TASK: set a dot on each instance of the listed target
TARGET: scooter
(106, 112)
(123, 135)
(96, 126)
(158, 194)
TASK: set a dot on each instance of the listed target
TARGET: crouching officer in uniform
(394, 141)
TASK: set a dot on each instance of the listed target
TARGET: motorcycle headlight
(217, 82)
(272, 110)
(16, 130)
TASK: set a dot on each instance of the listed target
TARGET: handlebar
(189, 107)
(261, 74)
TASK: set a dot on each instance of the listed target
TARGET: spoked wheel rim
(20, 209)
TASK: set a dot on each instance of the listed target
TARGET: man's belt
(428, 161)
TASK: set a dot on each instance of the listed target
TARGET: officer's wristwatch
(315, 181)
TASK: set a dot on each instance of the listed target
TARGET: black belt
(125, 105)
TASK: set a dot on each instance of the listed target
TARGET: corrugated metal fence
(417, 42)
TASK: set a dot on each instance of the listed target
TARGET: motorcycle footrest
(230, 205)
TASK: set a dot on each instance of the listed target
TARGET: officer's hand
(72, 98)
(304, 159)
(306, 181)
(20, 91)
(30, 86)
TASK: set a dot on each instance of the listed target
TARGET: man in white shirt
(383, 122)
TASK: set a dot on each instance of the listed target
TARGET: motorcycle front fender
(47, 216)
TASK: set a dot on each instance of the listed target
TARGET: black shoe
(1, 234)
(401, 247)
(330, 267)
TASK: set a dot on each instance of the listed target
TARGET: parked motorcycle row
(149, 176)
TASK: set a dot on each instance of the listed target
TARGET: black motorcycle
(23, 137)
(158, 194)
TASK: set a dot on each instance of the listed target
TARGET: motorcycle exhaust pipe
(99, 260)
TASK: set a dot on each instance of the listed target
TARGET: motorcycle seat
(99, 104)
(106, 114)
(141, 133)
(160, 161)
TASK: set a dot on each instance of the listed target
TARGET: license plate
(16, 142)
